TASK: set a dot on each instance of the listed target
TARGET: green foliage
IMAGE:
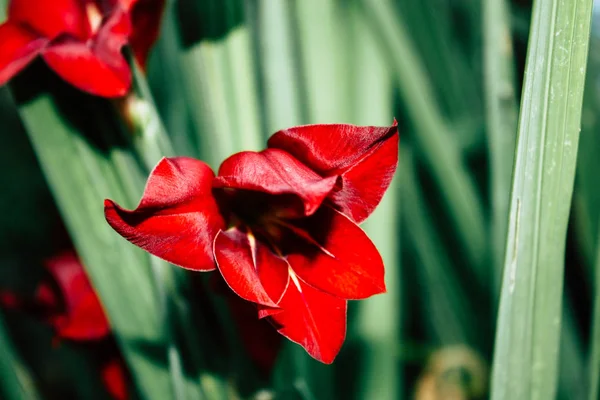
(527, 337)
(475, 199)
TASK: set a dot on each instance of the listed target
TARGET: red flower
(81, 40)
(83, 317)
(280, 225)
(68, 303)
(145, 19)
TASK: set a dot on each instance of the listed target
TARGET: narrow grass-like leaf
(571, 368)
(594, 355)
(587, 193)
(527, 336)
(450, 314)
(167, 85)
(322, 37)
(282, 100)
(501, 108)
(431, 24)
(81, 176)
(15, 381)
(436, 143)
(377, 320)
(218, 81)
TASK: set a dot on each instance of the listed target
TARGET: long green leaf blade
(527, 337)
(501, 110)
(435, 141)
(15, 381)
(80, 177)
(594, 360)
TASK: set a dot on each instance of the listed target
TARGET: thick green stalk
(501, 111)
(434, 139)
(527, 336)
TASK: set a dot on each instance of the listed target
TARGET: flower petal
(177, 218)
(364, 156)
(87, 321)
(146, 16)
(68, 273)
(77, 64)
(99, 69)
(51, 18)
(331, 253)
(274, 172)
(313, 319)
(84, 318)
(18, 47)
(114, 377)
(112, 36)
(249, 268)
(11, 300)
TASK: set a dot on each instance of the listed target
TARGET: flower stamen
(252, 243)
(94, 16)
(304, 235)
(294, 279)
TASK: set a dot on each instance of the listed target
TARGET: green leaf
(450, 314)
(527, 336)
(218, 72)
(15, 381)
(375, 329)
(572, 356)
(431, 24)
(435, 141)
(501, 120)
(284, 101)
(81, 173)
(594, 356)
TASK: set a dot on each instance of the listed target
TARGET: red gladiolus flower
(81, 40)
(83, 317)
(68, 303)
(280, 224)
(145, 20)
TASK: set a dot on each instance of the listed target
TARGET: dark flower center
(268, 217)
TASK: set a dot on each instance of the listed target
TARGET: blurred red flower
(68, 303)
(81, 40)
(280, 224)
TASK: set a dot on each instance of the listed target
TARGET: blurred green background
(224, 75)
